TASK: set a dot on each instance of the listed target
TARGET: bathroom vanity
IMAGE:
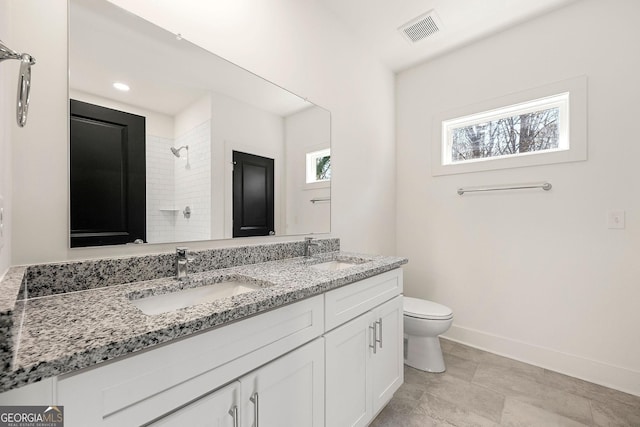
(317, 343)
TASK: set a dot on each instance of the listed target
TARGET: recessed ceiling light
(121, 86)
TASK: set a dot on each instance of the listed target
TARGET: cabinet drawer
(216, 409)
(350, 301)
(136, 389)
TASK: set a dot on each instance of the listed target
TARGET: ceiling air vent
(421, 27)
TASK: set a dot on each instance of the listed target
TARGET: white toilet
(423, 322)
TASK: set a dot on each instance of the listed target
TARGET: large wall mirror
(225, 153)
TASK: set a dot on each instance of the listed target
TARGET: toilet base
(424, 353)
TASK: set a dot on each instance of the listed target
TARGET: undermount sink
(333, 265)
(164, 303)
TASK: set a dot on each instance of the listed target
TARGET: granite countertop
(60, 333)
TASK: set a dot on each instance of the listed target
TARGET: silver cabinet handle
(379, 322)
(374, 332)
(254, 400)
(234, 413)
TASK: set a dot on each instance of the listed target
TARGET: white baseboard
(611, 376)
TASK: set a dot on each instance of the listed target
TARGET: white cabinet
(218, 409)
(364, 360)
(330, 360)
(138, 389)
(387, 371)
(288, 392)
(364, 365)
(348, 374)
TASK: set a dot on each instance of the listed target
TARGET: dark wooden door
(252, 195)
(108, 190)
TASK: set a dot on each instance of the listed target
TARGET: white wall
(39, 151)
(238, 126)
(294, 43)
(305, 132)
(7, 120)
(300, 46)
(530, 274)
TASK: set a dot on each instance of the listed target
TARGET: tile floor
(483, 389)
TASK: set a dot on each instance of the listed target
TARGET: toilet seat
(423, 309)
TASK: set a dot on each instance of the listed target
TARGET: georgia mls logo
(31, 416)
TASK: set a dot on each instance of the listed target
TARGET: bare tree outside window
(523, 133)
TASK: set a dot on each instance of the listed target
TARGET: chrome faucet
(182, 261)
(308, 242)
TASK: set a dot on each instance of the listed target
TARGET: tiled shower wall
(174, 183)
(161, 218)
(193, 184)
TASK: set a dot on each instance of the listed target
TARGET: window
(319, 166)
(538, 126)
(515, 130)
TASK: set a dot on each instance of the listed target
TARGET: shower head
(176, 151)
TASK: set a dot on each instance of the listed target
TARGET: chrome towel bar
(544, 185)
(320, 199)
(24, 80)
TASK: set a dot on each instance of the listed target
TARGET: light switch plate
(615, 219)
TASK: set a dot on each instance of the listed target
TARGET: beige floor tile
(483, 389)
(586, 389)
(484, 357)
(465, 352)
(433, 407)
(458, 367)
(388, 419)
(421, 378)
(402, 414)
(474, 398)
(445, 344)
(520, 414)
(614, 414)
(410, 391)
(513, 383)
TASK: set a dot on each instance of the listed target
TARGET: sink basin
(333, 265)
(157, 304)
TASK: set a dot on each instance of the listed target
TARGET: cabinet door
(387, 365)
(288, 392)
(218, 409)
(348, 354)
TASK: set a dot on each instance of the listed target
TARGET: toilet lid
(424, 309)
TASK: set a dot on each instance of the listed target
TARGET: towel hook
(24, 80)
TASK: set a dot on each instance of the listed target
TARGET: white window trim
(573, 148)
(310, 167)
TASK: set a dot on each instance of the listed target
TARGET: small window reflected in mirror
(319, 166)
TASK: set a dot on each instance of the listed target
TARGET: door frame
(278, 179)
(135, 180)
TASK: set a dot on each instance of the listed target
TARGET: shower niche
(107, 176)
